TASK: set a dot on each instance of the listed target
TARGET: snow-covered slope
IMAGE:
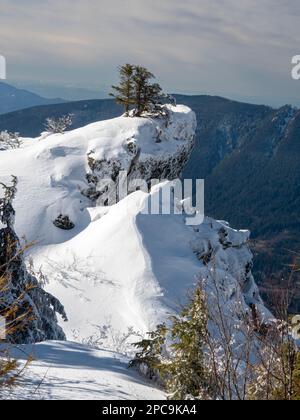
(68, 371)
(120, 272)
(129, 270)
(53, 171)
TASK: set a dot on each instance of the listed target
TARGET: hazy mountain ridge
(13, 99)
(30, 122)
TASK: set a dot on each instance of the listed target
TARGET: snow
(52, 170)
(119, 272)
(130, 270)
(99, 269)
(68, 371)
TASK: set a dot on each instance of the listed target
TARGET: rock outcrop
(125, 270)
(30, 311)
(157, 149)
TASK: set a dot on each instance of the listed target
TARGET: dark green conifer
(124, 93)
(136, 90)
(186, 372)
(150, 351)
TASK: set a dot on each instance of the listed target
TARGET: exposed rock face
(29, 310)
(157, 149)
(223, 263)
(226, 268)
(23, 291)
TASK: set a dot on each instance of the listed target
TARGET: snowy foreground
(118, 272)
(68, 371)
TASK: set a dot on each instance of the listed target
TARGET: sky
(235, 48)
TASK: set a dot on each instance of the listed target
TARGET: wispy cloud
(212, 46)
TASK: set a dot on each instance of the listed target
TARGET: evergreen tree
(142, 79)
(124, 93)
(182, 369)
(192, 363)
(186, 372)
(136, 90)
(150, 352)
(153, 97)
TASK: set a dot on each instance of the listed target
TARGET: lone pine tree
(124, 93)
(137, 91)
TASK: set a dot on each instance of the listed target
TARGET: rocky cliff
(117, 270)
(29, 311)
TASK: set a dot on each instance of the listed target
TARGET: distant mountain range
(13, 99)
(30, 122)
(249, 156)
(69, 92)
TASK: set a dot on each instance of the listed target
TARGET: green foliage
(186, 372)
(192, 364)
(141, 81)
(150, 351)
(124, 93)
(137, 91)
(183, 372)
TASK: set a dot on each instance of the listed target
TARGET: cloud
(225, 47)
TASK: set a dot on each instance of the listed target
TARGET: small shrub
(59, 125)
(110, 339)
(9, 140)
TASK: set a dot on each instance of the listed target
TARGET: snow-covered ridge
(56, 175)
(128, 270)
(120, 270)
(144, 149)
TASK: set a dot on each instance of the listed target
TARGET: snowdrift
(55, 175)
